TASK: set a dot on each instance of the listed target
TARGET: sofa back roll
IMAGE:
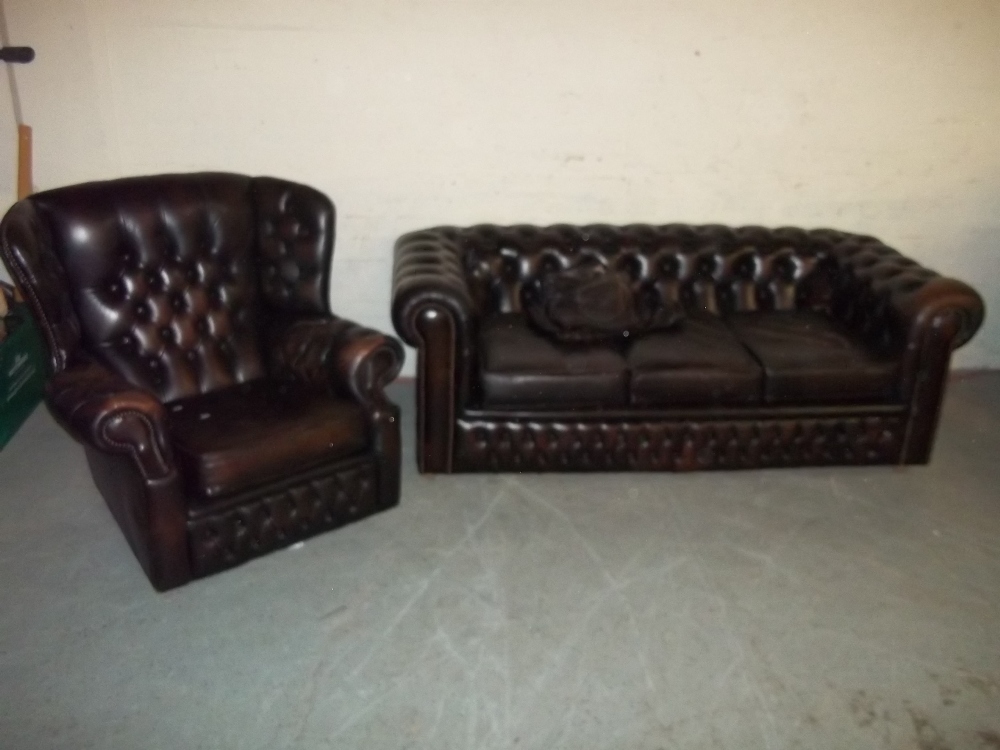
(713, 269)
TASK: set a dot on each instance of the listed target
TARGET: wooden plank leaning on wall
(10, 55)
(24, 181)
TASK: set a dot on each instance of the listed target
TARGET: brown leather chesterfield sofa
(224, 410)
(797, 348)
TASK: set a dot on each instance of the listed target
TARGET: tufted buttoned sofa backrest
(168, 279)
(711, 268)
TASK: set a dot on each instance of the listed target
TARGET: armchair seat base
(245, 526)
(240, 437)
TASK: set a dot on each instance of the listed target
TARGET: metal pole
(14, 96)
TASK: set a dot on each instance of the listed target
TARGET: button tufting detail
(282, 516)
(483, 445)
(712, 268)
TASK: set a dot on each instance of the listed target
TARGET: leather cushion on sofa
(232, 439)
(699, 364)
(808, 357)
(589, 304)
(521, 367)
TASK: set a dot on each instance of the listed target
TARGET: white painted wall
(873, 117)
(8, 153)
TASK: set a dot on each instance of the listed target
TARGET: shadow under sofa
(798, 348)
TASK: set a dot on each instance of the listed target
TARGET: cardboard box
(23, 370)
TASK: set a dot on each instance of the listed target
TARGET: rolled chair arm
(334, 352)
(428, 274)
(102, 409)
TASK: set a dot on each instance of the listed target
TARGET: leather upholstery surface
(331, 353)
(280, 514)
(99, 407)
(30, 256)
(809, 358)
(521, 367)
(162, 277)
(711, 268)
(589, 304)
(239, 437)
(295, 230)
(896, 320)
(701, 363)
(207, 292)
(643, 443)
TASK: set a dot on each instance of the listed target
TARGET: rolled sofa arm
(883, 288)
(433, 310)
(940, 297)
(886, 295)
(331, 351)
(103, 410)
(428, 274)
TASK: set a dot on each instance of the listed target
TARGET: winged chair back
(168, 279)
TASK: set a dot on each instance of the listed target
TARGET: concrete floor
(821, 608)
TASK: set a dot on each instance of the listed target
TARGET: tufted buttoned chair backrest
(167, 279)
(295, 233)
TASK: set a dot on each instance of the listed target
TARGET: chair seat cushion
(699, 364)
(522, 368)
(807, 357)
(236, 438)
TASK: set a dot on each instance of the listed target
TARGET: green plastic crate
(22, 371)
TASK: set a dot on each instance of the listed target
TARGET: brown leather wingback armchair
(224, 410)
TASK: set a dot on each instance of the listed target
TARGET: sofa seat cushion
(520, 367)
(807, 357)
(235, 438)
(699, 364)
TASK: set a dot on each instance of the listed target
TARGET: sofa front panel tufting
(682, 445)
